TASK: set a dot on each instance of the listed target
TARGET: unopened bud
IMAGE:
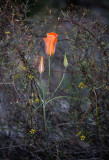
(41, 66)
(65, 61)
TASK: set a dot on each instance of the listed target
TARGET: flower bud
(65, 61)
(41, 66)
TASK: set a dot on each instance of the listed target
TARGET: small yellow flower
(30, 101)
(85, 86)
(78, 133)
(82, 85)
(24, 69)
(48, 92)
(16, 75)
(82, 138)
(7, 32)
(31, 77)
(67, 90)
(21, 67)
(37, 100)
(32, 95)
(32, 131)
(84, 62)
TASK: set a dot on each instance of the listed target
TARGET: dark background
(66, 3)
(36, 6)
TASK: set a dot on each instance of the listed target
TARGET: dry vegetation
(77, 125)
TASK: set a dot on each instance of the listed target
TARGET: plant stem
(43, 101)
(42, 88)
(59, 83)
(44, 114)
(49, 100)
(49, 68)
(49, 73)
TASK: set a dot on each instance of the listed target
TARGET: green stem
(49, 68)
(43, 101)
(49, 100)
(49, 73)
(37, 108)
(44, 114)
(59, 84)
(42, 88)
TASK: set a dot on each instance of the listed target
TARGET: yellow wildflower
(21, 67)
(7, 32)
(24, 69)
(82, 138)
(73, 29)
(30, 101)
(78, 133)
(32, 95)
(82, 85)
(85, 86)
(37, 100)
(67, 89)
(84, 62)
(32, 131)
(31, 77)
(48, 92)
(16, 75)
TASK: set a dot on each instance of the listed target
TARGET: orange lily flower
(41, 66)
(50, 43)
